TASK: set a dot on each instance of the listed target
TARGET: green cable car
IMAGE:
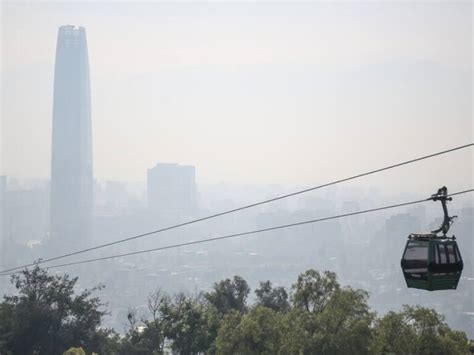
(431, 261)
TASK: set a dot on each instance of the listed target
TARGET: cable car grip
(442, 196)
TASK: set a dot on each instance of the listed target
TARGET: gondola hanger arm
(442, 196)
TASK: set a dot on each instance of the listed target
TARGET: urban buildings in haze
(3, 182)
(71, 163)
(24, 218)
(171, 190)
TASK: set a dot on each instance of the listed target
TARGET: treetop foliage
(318, 316)
(47, 317)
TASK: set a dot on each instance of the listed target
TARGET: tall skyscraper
(71, 163)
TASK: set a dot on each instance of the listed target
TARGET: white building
(171, 190)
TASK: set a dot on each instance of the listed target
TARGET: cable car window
(416, 252)
(436, 254)
(451, 254)
(442, 254)
(458, 254)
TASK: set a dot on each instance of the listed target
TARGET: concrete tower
(71, 163)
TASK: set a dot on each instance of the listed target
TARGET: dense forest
(49, 315)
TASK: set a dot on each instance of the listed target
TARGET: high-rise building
(71, 163)
(171, 190)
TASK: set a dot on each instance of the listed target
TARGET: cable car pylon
(433, 261)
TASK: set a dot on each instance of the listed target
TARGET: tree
(227, 339)
(229, 295)
(393, 335)
(433, 335)
(188, 322)
(147, 335)
(257, 332)
(416, 330)
(312, 290)
(75, 351)
(326, 319)
(344, 325)
(273, 298)
(154, 333)
(187, 325)
(46, 317)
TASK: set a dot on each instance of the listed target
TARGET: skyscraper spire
(71, 163)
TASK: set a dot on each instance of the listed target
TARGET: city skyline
(251, 103)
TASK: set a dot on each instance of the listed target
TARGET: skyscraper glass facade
(71, 163)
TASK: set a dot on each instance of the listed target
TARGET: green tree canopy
(312, 290)
(187, 325)
(393, 334)
(229, 295)
(324, 319)
(417, 330)
(147, 336)
(273, 298)
(75, 351)
(433, 335)
(47, 317)
(257, 332)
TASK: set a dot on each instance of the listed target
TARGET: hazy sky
(264, 93)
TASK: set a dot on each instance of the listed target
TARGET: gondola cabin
(431, 263)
